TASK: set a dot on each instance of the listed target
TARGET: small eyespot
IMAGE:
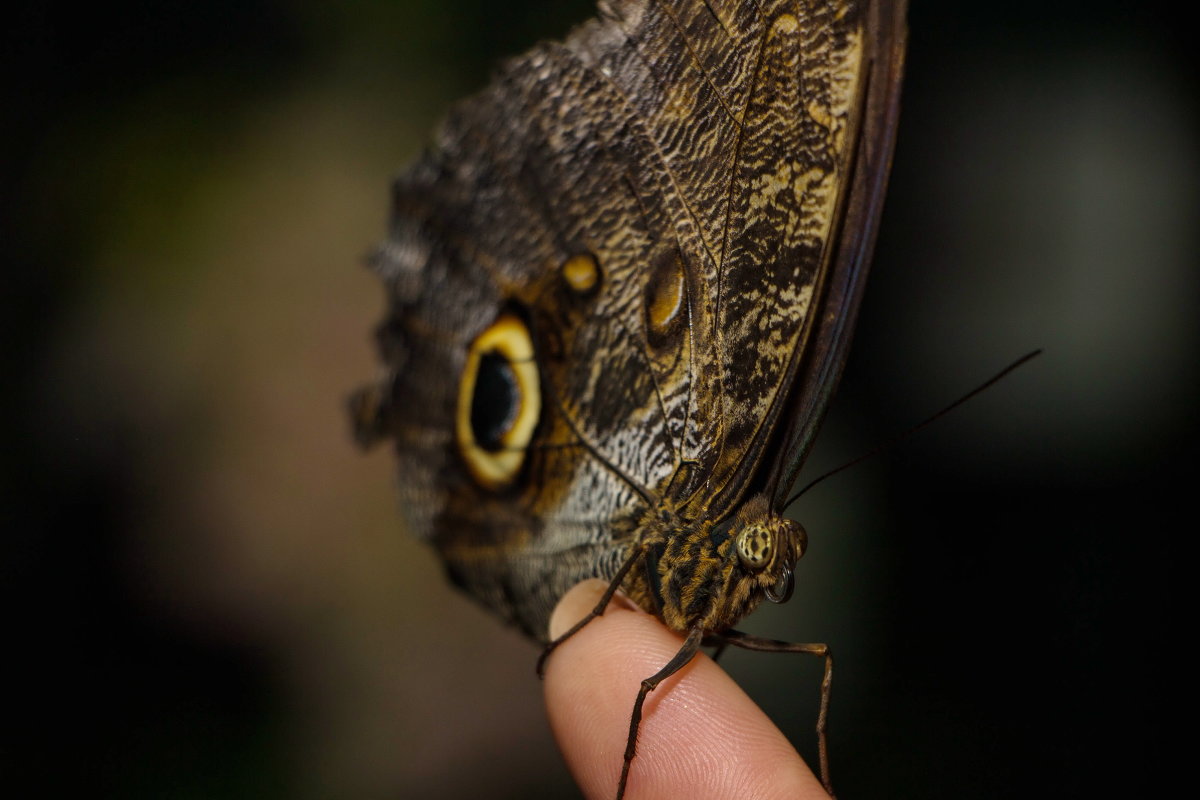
(581, 273)
(665, 294)
(499, 402)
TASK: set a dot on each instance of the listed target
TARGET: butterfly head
(768, 548)
(713, 575)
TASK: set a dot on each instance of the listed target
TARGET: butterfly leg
(691, 646)
(613, 585)
(748, 642)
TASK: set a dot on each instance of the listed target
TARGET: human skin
(701, 736)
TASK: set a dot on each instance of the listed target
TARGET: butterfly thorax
(710, 574)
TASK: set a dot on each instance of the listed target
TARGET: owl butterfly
(621, 286)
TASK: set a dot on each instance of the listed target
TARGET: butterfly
(621, 286)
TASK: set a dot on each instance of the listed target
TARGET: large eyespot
(499, 401)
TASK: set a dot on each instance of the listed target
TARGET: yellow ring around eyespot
(508, 337)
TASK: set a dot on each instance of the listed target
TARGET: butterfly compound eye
(754, 547)
(499, 401)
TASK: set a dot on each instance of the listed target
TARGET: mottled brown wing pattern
(696, 155)
(870, 140)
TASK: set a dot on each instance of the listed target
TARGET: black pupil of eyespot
(496, 402)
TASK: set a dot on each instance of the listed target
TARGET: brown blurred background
(206, 588)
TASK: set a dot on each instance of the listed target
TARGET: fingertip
(575, 605)
(701, 736)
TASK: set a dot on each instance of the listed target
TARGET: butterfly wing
(655, 201)
(872, 136)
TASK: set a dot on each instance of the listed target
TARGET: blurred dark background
(206, 589)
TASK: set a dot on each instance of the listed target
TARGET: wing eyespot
(581, 273)
(499, 402)
(665, 300)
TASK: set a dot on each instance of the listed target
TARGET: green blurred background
(206, 588)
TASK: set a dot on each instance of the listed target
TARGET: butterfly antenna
(918, 427)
